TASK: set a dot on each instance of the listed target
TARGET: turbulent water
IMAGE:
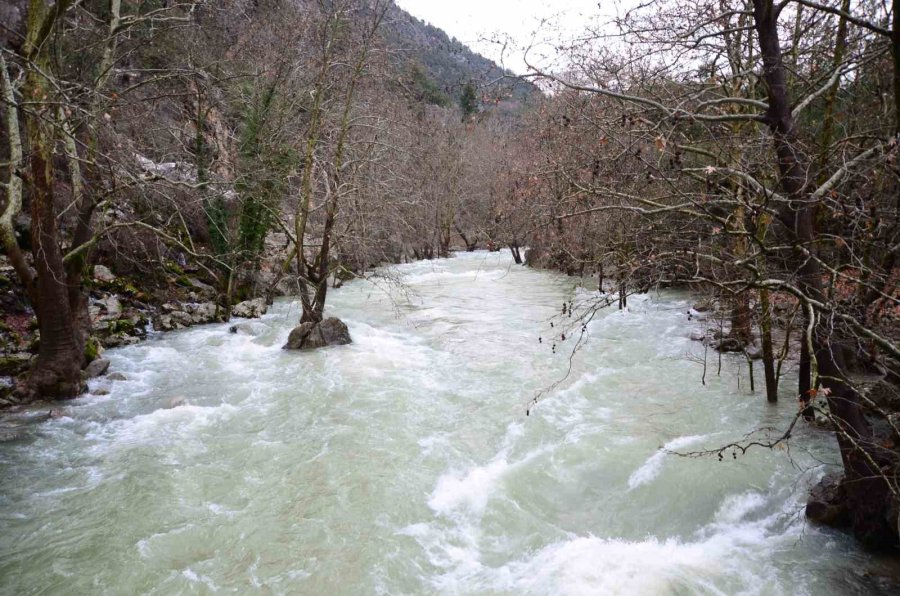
(405, 463)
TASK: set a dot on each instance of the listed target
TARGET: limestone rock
(96, 368)
(106, 309)
(309, 336)
(250, 309)
(204, 312)
(102, 273)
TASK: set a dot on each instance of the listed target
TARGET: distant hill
(442, 66)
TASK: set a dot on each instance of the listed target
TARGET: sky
(475, 22)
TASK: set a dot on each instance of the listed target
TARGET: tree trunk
(516, 253)
(869, 498)
(57, 371)
(765, 331)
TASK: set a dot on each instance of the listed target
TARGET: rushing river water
(405, 463)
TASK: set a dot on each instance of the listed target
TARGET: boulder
(102, 273)
(250, 309)
(116, 376)
(176, 319)
(698, 335)
(175, 401)
(202, 288)
(204, 312)
(309, 336)
(96, 368)
(827, 502)
(106, 309)
(101, 391)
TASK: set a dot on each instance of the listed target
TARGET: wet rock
(9, 434)
(250, 309)
(116, 376)
(100, 391)
(827, 502)
(754, 351)
(703, 306)
(204, 312)
(15, 363)
(729, 344)
(176, 319)
(696, 315)
(309, 336)
(96, 368)
(698, 335)
(102, 273)
(176, 401)
(245, 329)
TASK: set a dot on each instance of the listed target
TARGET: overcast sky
(475, 21)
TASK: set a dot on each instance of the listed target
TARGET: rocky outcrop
(309, 336)
(178, 316)
(250, 309)
(827, 502)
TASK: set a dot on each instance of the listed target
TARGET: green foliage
(468, 101)
(92, 349)
(263, 173)
(426, 90)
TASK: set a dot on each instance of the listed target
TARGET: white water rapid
(405, 464)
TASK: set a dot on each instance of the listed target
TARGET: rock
(15, 363)
(201, 287)
(245, 329)
(106, 309)
(729, 344)
(101, 391)
(698, 335)
(9, 434)
(204, 312)
(102, 273)
(250, 309)
(309, 336)
(696, 315)
(176, 401)
(754, 351)
(827, 502)
(116, 376)
(96, 368)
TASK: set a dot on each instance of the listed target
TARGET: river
(405, 464)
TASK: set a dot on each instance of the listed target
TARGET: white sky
(474, 22)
